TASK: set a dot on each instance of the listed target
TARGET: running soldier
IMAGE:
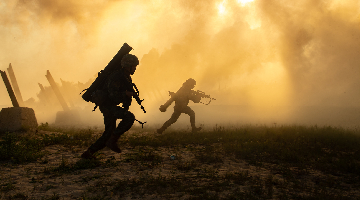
(115, 91)
(182, 98)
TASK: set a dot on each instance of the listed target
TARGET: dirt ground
(39, 180)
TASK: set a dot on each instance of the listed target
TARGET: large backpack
(94, 93)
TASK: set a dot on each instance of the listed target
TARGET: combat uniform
(108, 98)
(182, 98)
(115, 89)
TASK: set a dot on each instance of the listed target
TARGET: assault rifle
(131, 87)
(202, 94)
(199, 94)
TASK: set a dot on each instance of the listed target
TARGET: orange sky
(253, 53)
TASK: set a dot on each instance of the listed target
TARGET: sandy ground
(32, 180)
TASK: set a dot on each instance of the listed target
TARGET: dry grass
(248, 162)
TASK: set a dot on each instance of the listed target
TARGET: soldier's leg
(127, 121)
(110, 125)
(174, 117)
(191, 113)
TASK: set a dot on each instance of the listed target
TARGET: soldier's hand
(162, 108)
(130, 94)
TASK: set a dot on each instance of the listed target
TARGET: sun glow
(244, 2)
(221, 8)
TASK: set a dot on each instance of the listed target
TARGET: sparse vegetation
(248, 162)
(21, 149)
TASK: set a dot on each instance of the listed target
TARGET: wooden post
(9, 89)
(67, 96)
(46, 96)
(15, 85)
(57, 91)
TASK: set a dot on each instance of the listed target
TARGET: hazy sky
(243, 52)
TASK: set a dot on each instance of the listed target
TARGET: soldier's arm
(172, 94)
(129, 94)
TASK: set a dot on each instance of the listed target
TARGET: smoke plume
(263, 60)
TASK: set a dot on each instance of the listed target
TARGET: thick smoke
(264, 60)
(319, 44)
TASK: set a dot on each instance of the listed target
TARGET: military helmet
(129, 60)
(190, 82)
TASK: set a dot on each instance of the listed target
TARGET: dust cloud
(265, 61)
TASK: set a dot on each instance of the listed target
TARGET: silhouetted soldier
(115, 91)
(182, 98)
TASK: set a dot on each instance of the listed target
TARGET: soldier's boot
(88, 155)
(194, 129)
(160, 130)
(112, 143)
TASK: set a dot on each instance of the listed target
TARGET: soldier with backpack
(117, 88)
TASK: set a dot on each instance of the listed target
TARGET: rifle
(131, 87)
(202, 94)
(198, 93)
